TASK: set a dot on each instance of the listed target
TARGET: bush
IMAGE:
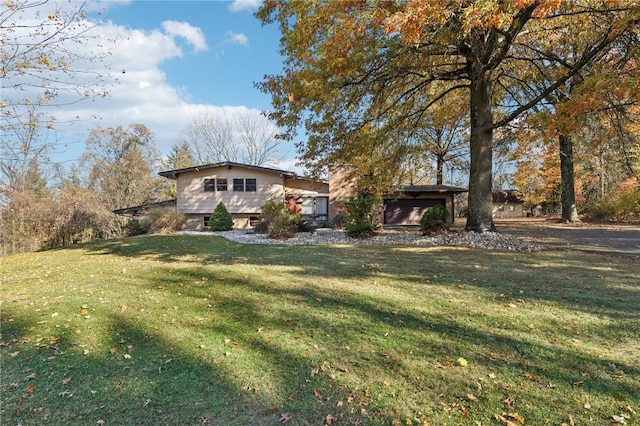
(277, 222)
(434, 219)
(621, 205)
(361, 219)
(161, 221)
(220, 219)
(337, 222)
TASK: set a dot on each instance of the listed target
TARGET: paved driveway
(620, 240)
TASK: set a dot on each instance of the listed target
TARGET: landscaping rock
(486, 240)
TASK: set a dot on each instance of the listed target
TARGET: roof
(145, 207)
(442, 189)
(173, 174)
(507, 196)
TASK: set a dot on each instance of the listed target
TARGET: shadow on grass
(133, 376)
(582, 282)
(287, 329)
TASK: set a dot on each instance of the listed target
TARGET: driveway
(617, 239)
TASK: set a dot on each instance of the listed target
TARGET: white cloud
(139, 91)
(192, 34)
(236, 38)
(239, 5)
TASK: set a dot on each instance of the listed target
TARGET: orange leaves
(509, 419)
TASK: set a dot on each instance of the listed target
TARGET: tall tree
(247, 137)
(121, 164)
(353, 63)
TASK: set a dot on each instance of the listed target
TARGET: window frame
(209, 185)
(222, 185)
(245, 185)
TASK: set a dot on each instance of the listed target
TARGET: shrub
(162, 221)
(622, 204)
(337, 222)
(277, 222)
(361, 219)
(220, 219)
(434, 219)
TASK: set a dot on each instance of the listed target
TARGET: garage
(408, 211)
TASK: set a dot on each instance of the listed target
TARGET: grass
(198, 330)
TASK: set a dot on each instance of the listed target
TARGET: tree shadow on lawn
(588, 282)
(326, 324)
(135, 375)
(285, 332)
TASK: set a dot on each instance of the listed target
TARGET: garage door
(408, 211)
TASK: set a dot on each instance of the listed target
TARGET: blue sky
(180, 59)
(239, 49)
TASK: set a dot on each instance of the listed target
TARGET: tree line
(403, 91)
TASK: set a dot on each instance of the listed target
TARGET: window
(512, 208)
(500, 208)
(314, 208)
(242, 185)
(221, 184)
(209, 185)
(205, 225)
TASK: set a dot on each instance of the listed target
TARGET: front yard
(199, 330)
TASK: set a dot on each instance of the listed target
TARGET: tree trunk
(568, 193)
(439, 167)
(480, 218)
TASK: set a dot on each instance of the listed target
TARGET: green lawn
(182, 330)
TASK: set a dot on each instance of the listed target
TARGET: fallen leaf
(630, 410)
(30, 388)
(471, 397)
(516, 416)
(618, 419)
(329, 419)
(462, 362)
(66, 380)
(504, 420)
(284, 418)
(317, 394)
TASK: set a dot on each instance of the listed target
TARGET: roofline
(433, 189)
(173, 174)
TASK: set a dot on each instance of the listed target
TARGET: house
(507, 203)
(404, 206)
(244, 189)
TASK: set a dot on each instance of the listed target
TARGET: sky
(172, 61)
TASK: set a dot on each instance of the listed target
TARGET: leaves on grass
(509, 419)
(317, 394)
(30, 388)
(462, 362)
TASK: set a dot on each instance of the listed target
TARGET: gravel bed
(487, 240)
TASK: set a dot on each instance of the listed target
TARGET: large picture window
(315, 208)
